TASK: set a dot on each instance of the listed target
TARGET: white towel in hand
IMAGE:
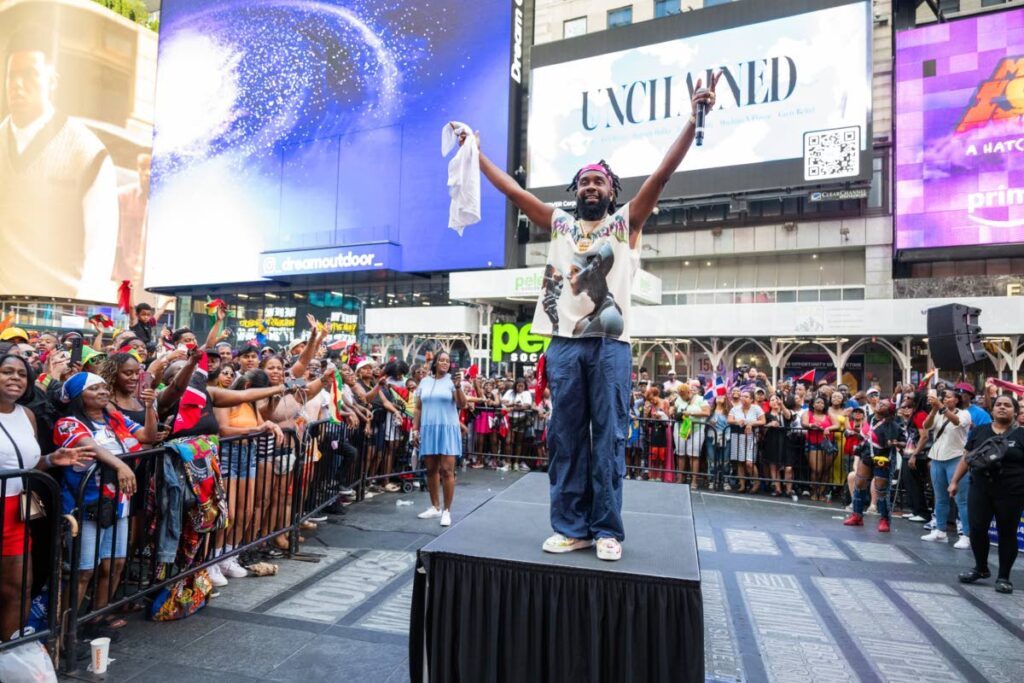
(463, 177)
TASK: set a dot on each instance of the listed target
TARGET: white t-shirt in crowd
(672, 385)
(523, 397)
(753, 414)
(951, 443)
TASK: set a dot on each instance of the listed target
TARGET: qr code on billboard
(832, 153)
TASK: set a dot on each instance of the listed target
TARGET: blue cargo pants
(589, 382)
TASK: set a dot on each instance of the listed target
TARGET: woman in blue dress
(439, 399)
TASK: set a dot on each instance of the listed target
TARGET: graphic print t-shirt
(587, 279)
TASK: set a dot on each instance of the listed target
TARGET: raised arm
(641, 206)
(536, 210)
(316, 335)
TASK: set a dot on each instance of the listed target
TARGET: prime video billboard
(959, 133)
(307, 132)
(793, 106)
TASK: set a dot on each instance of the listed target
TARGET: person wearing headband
(584, 306)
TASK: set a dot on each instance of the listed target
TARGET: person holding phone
(438, 400)
(949, 426)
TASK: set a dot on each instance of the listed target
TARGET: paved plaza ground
(789, 593)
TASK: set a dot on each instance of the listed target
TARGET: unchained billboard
(295, 133)
(793, 101)
(959, 133)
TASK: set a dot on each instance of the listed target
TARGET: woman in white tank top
(19, 449)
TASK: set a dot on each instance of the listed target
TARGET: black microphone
(702, 110)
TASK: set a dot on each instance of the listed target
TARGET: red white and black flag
(193, 401)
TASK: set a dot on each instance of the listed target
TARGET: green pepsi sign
(515, 343)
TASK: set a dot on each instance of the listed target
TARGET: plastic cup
(100, 654)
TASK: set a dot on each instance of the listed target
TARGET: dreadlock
(616, 186)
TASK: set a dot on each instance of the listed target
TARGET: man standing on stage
(584, 307)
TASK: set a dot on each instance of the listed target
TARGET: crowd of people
(67, 402)
(830, 445)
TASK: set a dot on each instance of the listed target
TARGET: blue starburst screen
(303, 136)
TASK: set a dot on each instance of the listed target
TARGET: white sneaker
(368, 494)
(231, 569)
(216, 578)
(916, 518)
(503, 468)
(935, 535)
(962, 543)
(523, 467)
(872, 510)
(446, 518)
(430, 513)
(907, 515)
(562, 544)
(609, 549)
(930, 526)
(849, 508)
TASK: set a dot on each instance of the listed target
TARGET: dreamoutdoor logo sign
(329, 260)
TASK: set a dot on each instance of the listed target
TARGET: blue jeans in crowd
(589, 382)
(942, 474)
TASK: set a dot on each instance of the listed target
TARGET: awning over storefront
(523, 286)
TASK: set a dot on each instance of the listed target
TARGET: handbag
(30, 505)
(988, 457)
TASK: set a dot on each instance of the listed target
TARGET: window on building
(622, 16)
(574, 27)
(663, 8)
(709, 3)
(992, 3)
(949, 5)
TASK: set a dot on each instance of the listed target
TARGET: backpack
(988, 457)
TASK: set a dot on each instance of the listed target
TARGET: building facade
(742, 265)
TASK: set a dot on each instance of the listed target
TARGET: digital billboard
(793, 106)
(959, 138)
(303, 136)
(75, 136)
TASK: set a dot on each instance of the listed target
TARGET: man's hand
(704, 94)
(463, 136)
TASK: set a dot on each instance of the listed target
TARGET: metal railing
(29, 586)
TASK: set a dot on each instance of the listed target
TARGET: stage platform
(490, 605)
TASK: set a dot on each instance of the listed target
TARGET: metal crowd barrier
(261, 479)
(37, 565)
(506, 435)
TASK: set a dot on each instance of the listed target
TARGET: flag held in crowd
(334, 380)
(124, 297)
(101, 319)
(193, 401)
(214, 305)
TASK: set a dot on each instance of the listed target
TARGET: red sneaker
(853, 520)
(883, 525)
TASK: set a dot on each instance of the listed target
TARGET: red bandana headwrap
(595, 167)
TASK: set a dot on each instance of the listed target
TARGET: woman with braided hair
(596, 253)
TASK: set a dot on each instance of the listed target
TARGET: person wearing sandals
(998, 494)
(436, 430)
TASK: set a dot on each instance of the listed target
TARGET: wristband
(48, 460)
(693, 120)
